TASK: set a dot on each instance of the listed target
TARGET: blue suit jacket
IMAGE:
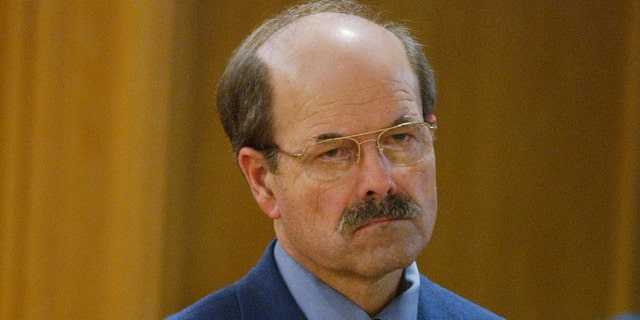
(263, 295)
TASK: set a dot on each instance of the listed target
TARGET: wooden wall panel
(84, 135)
(625, 277)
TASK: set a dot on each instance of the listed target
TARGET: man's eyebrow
(404, 119)
(333, 135)
(326, 136)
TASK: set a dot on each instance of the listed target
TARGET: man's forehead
(327, 64)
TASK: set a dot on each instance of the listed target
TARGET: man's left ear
(255, 169)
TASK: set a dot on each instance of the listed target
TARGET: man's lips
(377, 221)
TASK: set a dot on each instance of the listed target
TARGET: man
(330, 116)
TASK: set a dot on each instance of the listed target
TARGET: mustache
(397, 206)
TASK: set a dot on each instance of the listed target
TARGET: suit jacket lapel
(263, 295)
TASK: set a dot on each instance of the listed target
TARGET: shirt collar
(318, 301)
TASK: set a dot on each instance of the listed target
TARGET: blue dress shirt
(318, 301)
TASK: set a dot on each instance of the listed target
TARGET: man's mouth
(378, 221)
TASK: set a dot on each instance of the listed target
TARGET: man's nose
(374, 172)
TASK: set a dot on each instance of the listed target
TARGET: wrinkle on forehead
(399, 92)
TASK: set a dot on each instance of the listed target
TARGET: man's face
(336, 75)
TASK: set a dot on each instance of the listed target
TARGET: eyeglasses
(403, 145)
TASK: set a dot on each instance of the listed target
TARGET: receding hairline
(291, 32)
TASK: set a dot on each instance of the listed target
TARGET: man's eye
(335, 154)
(401, 137)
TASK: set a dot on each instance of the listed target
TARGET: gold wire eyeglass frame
(380, 133)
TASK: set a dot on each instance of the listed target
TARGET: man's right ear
(255, 169)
